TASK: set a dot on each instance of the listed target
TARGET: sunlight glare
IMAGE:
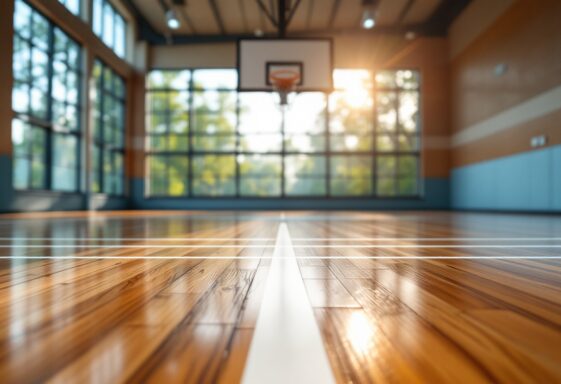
(361, 333)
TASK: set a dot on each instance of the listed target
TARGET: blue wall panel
(556, 178)
(5, 182)
(530, 181)
(436, 197)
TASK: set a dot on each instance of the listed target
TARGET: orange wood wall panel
(527, 37)
(6, 42)
(509, 142)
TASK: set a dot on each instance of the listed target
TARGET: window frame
(98, 141)
(116, 15)
(50, 128)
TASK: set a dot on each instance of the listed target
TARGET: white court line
(293, 239)
(341, 246)
(287, 345)
(187, 257)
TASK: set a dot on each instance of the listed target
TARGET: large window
(46, 101)
(110, 26)
(108, 131)
(205, 139)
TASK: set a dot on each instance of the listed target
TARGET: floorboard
(175, 296)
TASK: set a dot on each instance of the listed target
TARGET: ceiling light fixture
(172, 20)
(368, 20)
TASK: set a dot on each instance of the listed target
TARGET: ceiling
(216, 20)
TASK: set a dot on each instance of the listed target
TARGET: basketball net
(284, 82)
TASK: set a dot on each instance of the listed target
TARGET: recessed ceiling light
(368, 20)
(410, 35)
(172, 20)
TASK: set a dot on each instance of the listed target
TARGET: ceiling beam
(281, 14)
(405, 11)
(185, 16)
(310, 13)
(266, 12)
(241, 5)
(145, 30)
(293, 11)
(436, 25)
(440, 20)
(333, 14)
(217, 16)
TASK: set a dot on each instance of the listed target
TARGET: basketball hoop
(284, 82)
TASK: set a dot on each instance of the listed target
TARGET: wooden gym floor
(191, 296)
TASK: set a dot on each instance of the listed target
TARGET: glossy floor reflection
(175, 296)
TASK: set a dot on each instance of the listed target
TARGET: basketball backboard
(311, 58)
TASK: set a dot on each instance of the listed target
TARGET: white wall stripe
(287, 345)
(528, 110)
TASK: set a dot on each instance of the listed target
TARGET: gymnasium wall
(429, 55)
(506, 90)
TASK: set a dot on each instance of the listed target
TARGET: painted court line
(287, 345)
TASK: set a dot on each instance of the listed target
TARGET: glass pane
(211, 123)
(352, 80)
(39, 31)
(20, 97)
(408, 143)
(268, 142)
(120, 36)
(210, 143)
(214, 101)
(386, 79)
(407, 79)
(407, 166)
(386, 104)
(157, 122)
(178, 168)
(385, 187)
(97, 17)
(305, 143)
(22, 60)
(258, 113)
(38, 151)
(260, 187)
(260, 165)
(386, 143)
(22, 19)
(386, 166)
(307, 114)
(108, 25)
(215, 78)
(178, 80)
(157, 183)
(409, 111)
(179, 122)
(351, 142)
(351, 175)
(65, 165)
(305, 175)
(351, 187)
(214, 175)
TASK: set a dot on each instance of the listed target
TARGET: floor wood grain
(145, 317)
